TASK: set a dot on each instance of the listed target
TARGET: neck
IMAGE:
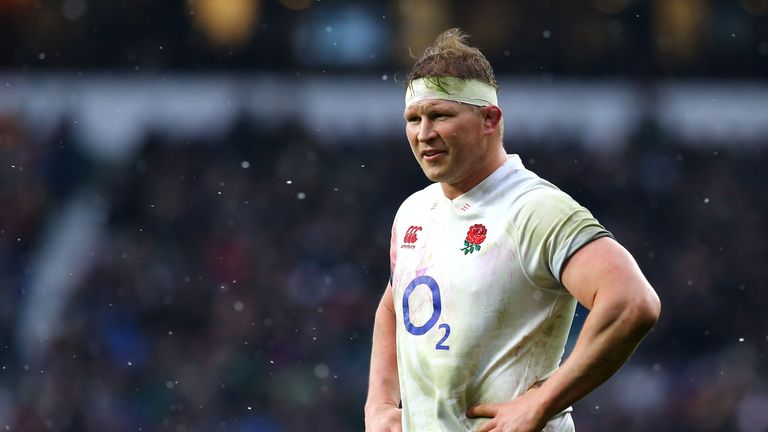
(493, 162)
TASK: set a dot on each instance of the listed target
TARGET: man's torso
(479, 319)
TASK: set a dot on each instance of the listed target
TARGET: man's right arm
(381, 409)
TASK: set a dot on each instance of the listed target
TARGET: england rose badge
(475, 236)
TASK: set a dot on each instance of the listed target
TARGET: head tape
(470, 91)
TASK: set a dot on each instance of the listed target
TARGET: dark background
(196, 199)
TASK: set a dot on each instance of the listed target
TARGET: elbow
(646, 311)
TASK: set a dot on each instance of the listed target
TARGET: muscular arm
(604, 277)
(381, 408)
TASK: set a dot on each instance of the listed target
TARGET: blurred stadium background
(196, 198)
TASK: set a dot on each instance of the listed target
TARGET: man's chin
(433, 176)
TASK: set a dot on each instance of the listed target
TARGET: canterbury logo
(410, 235)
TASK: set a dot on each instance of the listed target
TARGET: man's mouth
(431, 155)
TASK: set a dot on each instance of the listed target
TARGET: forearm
(611, 333)
(383, 384)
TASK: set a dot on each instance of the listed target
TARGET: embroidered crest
(475, 236)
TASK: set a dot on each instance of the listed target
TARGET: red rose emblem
(476, 234)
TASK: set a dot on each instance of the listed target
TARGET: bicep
(604, 267)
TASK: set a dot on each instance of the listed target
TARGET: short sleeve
(549, 228)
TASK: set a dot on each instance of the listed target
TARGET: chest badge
(475, 236)
(410, 237)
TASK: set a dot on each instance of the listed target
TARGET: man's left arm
(604, 278)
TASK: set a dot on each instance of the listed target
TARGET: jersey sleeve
(549, 228)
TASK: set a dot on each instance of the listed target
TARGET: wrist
(372, 407)
(546, 402)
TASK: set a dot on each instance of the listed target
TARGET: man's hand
(384, 418)
(521, 414)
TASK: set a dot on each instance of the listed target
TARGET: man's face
(447, 139)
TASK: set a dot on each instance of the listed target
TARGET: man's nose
(426, 131)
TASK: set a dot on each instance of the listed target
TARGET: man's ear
(491, 118)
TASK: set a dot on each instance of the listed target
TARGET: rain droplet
(289, 182)
(384, 77)
(238, 306)
(322, 370)
(74, 9)
(301, 195)
(706, 200)
(245, 164)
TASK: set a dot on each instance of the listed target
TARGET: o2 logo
(436, 309)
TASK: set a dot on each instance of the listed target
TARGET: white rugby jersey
(481, 312)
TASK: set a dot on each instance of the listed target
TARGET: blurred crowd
(712, 38)
(235, 280)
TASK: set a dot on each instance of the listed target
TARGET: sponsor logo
(410, 237)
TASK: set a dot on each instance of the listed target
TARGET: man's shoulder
(522, 188)
(544, 200)
(524, 197)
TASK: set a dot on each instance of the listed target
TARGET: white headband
(471, 91)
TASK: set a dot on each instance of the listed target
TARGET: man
(487, 265)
